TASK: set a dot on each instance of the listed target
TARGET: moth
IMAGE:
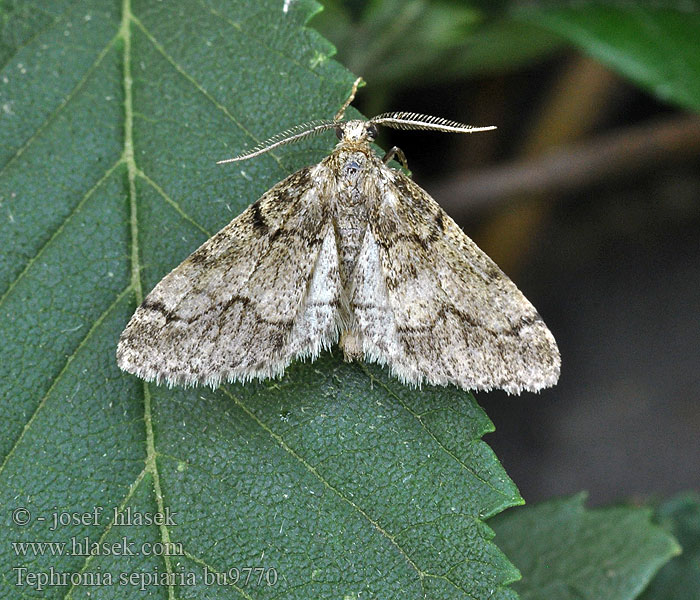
(347, 251)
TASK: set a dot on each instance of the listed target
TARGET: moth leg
(339, 115)
(396, 151)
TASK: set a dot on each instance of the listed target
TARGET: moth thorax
(351, 178)
(352, 166)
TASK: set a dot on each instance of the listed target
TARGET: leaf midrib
(136, 283)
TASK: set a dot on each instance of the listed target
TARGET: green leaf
(499, 45)
(395, 39)
(656, 46)
(338, 477)
(567, 552)
(680, 578)
(390, 42)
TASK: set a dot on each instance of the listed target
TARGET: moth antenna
(293, 134)
(341, 113)
(409, 120)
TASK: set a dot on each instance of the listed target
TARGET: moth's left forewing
(254, 296)
(457, 318)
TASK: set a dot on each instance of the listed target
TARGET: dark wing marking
(261, 291)
(449, 313)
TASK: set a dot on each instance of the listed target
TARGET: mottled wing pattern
(435, 308)
(260, 292)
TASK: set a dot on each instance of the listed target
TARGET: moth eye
(339, 132)
(372, 131)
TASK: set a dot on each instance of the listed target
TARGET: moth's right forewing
(459, 318)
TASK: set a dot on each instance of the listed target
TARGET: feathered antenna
(298, 132)
(396, 120)
(410, 120)
(293, 134)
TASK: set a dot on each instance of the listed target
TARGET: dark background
(587, 195)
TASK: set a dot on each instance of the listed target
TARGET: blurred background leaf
(573, 553)
(395, 42)
(651, 44)
(680, 579)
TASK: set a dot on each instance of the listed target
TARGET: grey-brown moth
(346, 251)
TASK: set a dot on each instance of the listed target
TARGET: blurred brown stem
(571, 106)
(625, 152)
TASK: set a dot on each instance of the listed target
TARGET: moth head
(356, 131)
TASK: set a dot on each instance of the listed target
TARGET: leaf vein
(51, 117)
(172, 202)
(59, 375)
(58, 231)
(159, 47)
(446, 450)
(282, 444)
(202, 563)
(125, 32)
(120, 507)
(55, 19)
